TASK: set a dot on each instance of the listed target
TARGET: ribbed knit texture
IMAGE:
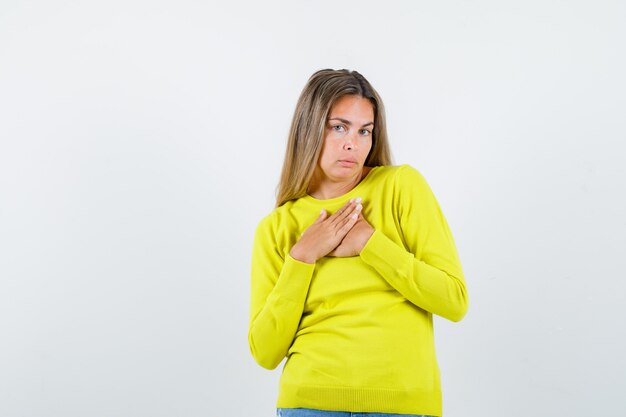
(358, 332)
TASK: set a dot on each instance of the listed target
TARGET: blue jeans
(310, 412)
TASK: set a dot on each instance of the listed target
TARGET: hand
(355, 240)
(326, 233)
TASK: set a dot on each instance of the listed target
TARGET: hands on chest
(342, 234)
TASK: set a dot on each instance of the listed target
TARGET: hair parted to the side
(306, 134)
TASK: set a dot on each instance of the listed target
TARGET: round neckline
(310, 199)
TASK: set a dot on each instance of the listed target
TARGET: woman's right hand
(326, 233)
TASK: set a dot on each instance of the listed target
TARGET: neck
(325, 188)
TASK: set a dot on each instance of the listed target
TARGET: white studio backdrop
(141, 143)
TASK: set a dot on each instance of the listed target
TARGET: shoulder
(401, 176)
(392, 170)
(407, 173)
(411, 188)
(266, 232)
(271, 221)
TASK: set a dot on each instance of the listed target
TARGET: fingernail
(351, 200)
(359, 199)
(359, 206)
(355, 215)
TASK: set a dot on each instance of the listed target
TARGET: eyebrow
(348, 122)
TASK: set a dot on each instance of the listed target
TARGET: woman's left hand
(354, 242)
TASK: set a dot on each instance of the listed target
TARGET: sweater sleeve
(428, 271)
(278, 291)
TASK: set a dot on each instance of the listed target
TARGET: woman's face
(348, 139)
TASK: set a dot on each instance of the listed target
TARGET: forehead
(356, 106)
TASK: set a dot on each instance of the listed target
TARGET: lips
(347, 162)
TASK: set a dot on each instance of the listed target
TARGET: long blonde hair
(306, 135)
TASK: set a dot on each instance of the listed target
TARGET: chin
(346, 172)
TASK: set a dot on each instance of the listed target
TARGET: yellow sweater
(358, 332)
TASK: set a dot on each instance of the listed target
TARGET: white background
(141, 142)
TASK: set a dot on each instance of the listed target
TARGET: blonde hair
(306, 135)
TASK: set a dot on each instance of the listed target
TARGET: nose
(351, 143)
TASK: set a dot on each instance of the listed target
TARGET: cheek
(326, 154)
(330, 150)
(367, 148)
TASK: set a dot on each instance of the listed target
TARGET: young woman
(349, 268)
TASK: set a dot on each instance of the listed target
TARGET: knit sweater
(358, 331)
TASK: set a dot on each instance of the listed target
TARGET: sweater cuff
(294, 280)
(383, 253)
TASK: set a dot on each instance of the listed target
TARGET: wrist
(302, 257)
(367, 238)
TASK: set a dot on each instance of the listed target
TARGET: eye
(365, 132)
(338, 128)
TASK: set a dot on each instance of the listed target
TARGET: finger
(343, 226)
(321, 217)
(349, 216)
(351, 203)
(347, 210)
(348, 224)
(338, 214)
(355, 213)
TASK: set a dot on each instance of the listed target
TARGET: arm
(280, 284)
(429, 274)
(278, 291)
